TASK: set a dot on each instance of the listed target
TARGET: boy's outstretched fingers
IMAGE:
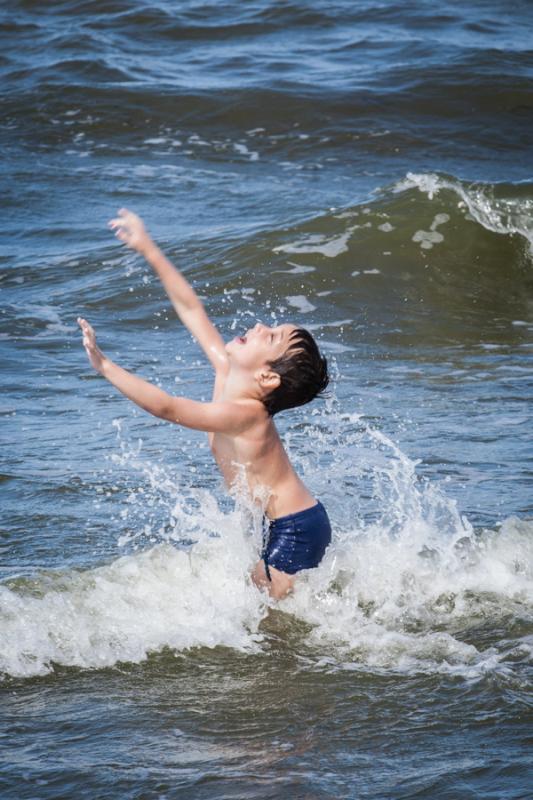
(120, 234)
(89, 342)
(129, 228)
(84, 325)
(89, 336)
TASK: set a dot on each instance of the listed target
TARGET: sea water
(360, 170)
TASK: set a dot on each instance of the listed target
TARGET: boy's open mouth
(241, 339)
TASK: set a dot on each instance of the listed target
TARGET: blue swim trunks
(297, 541)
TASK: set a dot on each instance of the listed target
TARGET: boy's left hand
(96, 357)
(129, 228)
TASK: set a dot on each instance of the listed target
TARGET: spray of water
(403, 587)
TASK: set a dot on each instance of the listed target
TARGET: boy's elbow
(166, 409)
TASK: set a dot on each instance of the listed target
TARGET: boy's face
(259, 346)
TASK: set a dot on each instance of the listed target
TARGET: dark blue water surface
(361, 169)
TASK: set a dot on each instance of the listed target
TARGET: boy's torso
(258, 456)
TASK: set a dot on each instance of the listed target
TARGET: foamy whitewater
(398, 594)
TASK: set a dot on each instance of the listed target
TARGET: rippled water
(360, 169)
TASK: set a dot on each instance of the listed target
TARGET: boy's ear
(267, 379)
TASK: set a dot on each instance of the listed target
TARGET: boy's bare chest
(242, 456)
(231, 455)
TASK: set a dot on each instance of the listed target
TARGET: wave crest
(504, 209)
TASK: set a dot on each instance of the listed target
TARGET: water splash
(405, 586)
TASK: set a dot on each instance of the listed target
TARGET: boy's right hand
(129, 228)
(95, 355)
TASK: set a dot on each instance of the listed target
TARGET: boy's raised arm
(225, 417)
(130, 229)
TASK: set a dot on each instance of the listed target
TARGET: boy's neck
(239, 386)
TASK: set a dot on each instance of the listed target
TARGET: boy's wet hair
(303, 372)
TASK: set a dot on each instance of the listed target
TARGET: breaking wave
(505, 209)
(407, 585)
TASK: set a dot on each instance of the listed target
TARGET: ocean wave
(429, 256)
(413, 589)
(504, 209)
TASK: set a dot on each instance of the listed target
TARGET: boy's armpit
(217, 417)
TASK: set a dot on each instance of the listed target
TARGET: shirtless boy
(256, 376)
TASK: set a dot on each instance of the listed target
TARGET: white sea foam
(297, 269)
(318, 243)
(403, 587)
(428, 238)
(243, 150)
(50, 316)
(140, 603)
(300, 302)
(319, 326)
(407, 603)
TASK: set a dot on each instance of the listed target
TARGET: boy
(256, 376)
